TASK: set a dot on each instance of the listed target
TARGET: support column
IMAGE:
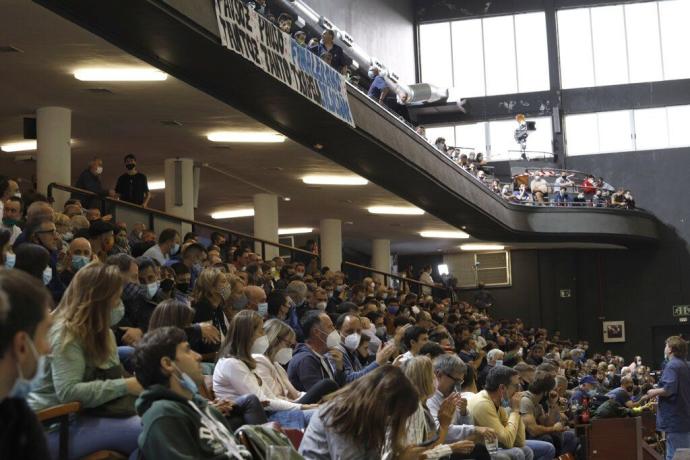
(331, 244)
(381, 257)
(266, 223)
(179, 190)
(54, 156)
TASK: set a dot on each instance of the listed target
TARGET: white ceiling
(130, 117)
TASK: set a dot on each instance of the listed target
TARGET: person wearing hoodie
(177, 422)
(309, 364)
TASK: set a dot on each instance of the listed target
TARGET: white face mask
(284, 356)
(260, 345)
(415, 309)
(99, 170)
(499, 362)
(333, 339)
(47, 275)
(321, 306)
(352, 341)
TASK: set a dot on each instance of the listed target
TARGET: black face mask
(130, 166)
(167, 284)
(184, 287)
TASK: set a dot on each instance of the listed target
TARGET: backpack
(257, 438)
(611, 409)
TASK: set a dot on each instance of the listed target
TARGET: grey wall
(384, 28)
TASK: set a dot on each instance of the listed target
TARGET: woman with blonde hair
(84, 365)
(421, 426)
(269, 366)
(236, 373)
(209, 296)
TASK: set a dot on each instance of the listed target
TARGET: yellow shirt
(509, 428)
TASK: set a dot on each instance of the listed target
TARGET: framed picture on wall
(614, 331)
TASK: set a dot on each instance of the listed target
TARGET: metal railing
(403, 283)
(109, 205)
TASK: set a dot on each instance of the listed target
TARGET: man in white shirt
(425, 277)
(168, 245)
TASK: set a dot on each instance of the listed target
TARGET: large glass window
(484, 57)
(471, 136)
(674, 18)
(434, 52)
(627, 130)
(620, 44)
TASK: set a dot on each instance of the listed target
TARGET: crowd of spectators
(171, 342)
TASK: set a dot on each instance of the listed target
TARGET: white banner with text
(249, 34)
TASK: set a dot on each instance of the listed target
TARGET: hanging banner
(249, 34)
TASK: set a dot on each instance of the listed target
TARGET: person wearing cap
(102, 239)
(379, 88)
(301, 38)
(585, 390)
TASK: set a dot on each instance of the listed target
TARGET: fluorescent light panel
(120, 74)
(156, 185)
(233, 213)
(482, 247)
(443, 234)
(295, 230)
(324, 179)
(245, 136)
(396, 210)
(22, 146)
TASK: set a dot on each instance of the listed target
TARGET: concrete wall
(384, 28)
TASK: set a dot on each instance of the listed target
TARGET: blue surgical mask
(505, 402)
(10, 260)
(117, 313)
(68, 236)
(47, 275)
(263, 309)
(79, 262)
(187, 382)
(175, 249)
(151, 289)
(371, 75)
(592, 393)
(499, 362)
(23, 386)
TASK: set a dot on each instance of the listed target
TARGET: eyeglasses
(53, 231)
(460, 380)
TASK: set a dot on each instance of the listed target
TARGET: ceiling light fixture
(245, 136)
(399, 210)
(21, 146)
(156, 185)
(482, 247)
(295, 230)
(233, 213)
(120, 74)
(324, 179)
(444, 234)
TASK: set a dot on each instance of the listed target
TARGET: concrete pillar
(54, 156)
(266, 223)
(179, 190)
(331, 243)
(381, 256)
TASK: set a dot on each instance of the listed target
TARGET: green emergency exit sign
(681, 310)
